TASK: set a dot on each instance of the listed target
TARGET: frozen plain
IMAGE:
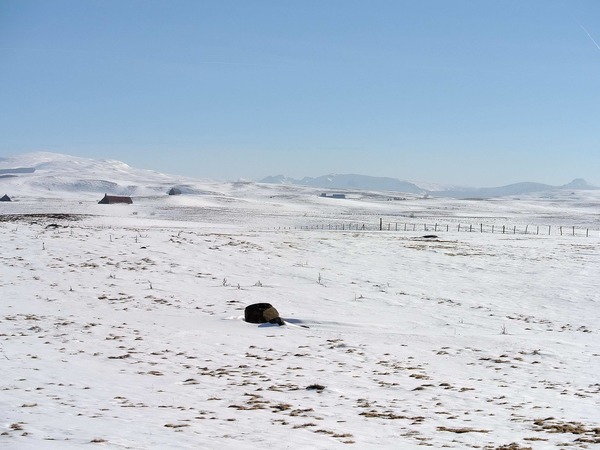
(121, 326)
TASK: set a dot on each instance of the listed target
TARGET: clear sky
(469, 92)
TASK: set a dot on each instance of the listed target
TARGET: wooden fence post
(573, 231)
(380, 224)
(503, 228)
(560, 228)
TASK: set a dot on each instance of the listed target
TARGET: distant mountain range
(363, 182)
(57, 175)
(350, 181)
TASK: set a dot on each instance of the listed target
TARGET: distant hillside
(58, 175)
(579, 183)
(362, 182)
(16, 169)
(350, 181)
(511, 189)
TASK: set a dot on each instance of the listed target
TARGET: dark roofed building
(111, 199)
(174, 191)
(6, 198)
(324, 194)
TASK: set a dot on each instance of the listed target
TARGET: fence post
(459, 227)
(537, 230)
(560, 230)
(481, 228)
(587, 232)
(435, 227)
(573, 231)
(526, 226)
(404, 227)
(515, 230)
(470, 228)
(492, 229)
(503, 228)
(396, 226)
(549, 227)
(380, 224)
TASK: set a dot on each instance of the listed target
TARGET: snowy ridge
(54, 175)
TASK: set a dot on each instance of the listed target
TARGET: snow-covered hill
(121, 325)
(57, 175)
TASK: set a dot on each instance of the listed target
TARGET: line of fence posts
(341, 227)
(505, 229)
(437, 227)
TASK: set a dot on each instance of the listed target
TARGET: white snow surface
(121, 326)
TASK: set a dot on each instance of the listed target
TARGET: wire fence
(531, 230)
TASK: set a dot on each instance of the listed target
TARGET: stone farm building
(111, 199)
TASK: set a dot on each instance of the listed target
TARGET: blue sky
(468, 92)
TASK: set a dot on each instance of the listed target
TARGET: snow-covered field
(121, 325)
